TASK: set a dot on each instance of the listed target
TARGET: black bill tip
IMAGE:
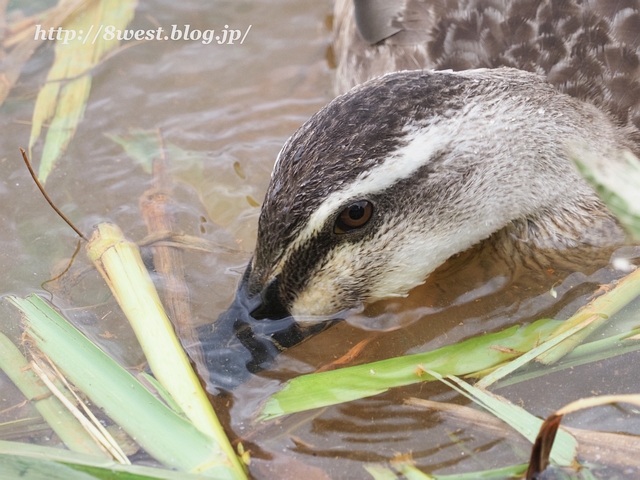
(271, 307)
(246, 338)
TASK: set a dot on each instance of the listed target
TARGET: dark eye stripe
(353, 217)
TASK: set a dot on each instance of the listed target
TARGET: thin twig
(19, 405)
(167, 238)
(35, 179)
(73, 257)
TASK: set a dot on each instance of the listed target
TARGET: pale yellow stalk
(615, 298)
(119, 262)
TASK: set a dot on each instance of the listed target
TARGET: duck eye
(354, 216)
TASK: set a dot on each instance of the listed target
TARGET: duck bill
(247, 337)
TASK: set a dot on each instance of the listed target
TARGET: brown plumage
(589, 49)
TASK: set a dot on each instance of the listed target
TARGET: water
(232, 107)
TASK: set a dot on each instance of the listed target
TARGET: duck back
(587, 49)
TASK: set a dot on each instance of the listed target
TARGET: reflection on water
(231, 108)
(380, 428)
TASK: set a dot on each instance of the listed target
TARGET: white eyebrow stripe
(422, 144)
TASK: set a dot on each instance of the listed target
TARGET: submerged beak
(247, 337)
(271, 306)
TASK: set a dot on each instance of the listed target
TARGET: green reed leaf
(165, 435)
(351, 383)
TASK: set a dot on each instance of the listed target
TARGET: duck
(456, 123)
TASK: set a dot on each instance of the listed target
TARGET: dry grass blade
(186, 242)
(616, 296)
(157, 207)
(70, 431)
(111, 445)
(564, 453)
(24, 429)
(618, 449)
(11, 65)
(597, 401)
(97, 435)
(547, 434)
(63, 98)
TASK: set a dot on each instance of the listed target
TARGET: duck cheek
(321, 299)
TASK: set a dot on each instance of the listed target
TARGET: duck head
(391, 179)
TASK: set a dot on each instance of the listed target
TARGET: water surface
(228, 109)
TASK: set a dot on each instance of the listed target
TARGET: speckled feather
(588, 49)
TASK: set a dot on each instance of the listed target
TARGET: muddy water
(225, 111)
